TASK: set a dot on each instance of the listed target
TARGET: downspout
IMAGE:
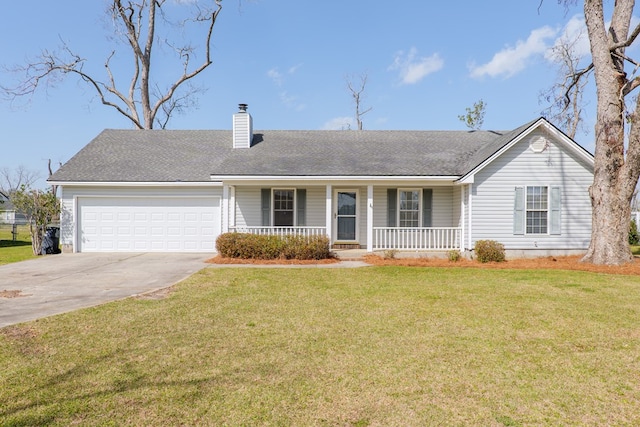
(225, 208)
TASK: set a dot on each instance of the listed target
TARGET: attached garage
(147, 224)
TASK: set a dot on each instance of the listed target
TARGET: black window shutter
(392, 206)
(427, 207)
(301, 195)
(265, 194)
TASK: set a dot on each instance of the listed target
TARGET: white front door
(346, 216)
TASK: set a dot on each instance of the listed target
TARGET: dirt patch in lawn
(12, 294)
(157, 294)
(559, 263)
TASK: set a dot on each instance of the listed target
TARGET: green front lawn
(18, 250)
(338, 347)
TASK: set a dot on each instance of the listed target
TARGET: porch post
(369, 218)
(470, 204)
(463, 192)
(328, 213)
(232, 207)
(225, 208)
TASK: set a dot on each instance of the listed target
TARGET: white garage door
(164, 224)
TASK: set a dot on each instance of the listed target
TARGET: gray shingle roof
(195, 155)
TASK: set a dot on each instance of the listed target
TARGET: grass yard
(376, 346)
(18, 250)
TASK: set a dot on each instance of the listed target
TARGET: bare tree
(617, 159)
(140, 99)
(12, 179)
(565, 96)
(474, 118)
(356, 86)
(54, 188)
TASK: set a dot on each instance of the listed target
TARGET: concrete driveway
(55, 284)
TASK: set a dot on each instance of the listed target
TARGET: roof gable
(517, 135)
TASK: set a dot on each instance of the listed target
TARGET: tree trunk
(615, 176)
(610, 226)
(36, 239)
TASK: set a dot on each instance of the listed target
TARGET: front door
(346, 216)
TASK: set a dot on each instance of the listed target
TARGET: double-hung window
(283, 208)
(409, 208)
(537, 207)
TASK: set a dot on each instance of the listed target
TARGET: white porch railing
(282, 231)
(432, 238)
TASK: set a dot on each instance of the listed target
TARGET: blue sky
(426, 62)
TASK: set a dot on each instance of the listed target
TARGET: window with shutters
(537, 210)
(409, 208)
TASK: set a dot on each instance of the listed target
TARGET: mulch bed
(223, 260)
(559, 263)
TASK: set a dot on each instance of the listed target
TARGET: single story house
(177, 190)
(9, 215)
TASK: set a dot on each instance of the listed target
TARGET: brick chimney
(242, 128)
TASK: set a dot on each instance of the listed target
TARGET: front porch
(384, 238)
(410, 217)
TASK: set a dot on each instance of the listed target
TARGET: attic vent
(242, 128)
(538, 144)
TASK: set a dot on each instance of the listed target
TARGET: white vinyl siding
(556, 167)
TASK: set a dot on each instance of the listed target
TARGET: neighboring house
(8, 214)
(162, 190)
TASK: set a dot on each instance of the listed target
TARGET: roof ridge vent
(242, 128)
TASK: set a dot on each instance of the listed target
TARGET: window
(283, 208)
(537, 208)
(409, 208)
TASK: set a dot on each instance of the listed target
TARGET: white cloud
(340, 123)
(275, 76)
(413, 68)
(511, 60)
(573, 34)
(293, 69)
(278, 77)
(291, 101)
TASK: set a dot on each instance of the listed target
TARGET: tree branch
(186, 75)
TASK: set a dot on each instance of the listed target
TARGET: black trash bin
(51, 241)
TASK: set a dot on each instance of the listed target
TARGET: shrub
(634, 238)
(454, 256)
(306, 248)
(489, 250)
(253, 246)
(390, 254)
